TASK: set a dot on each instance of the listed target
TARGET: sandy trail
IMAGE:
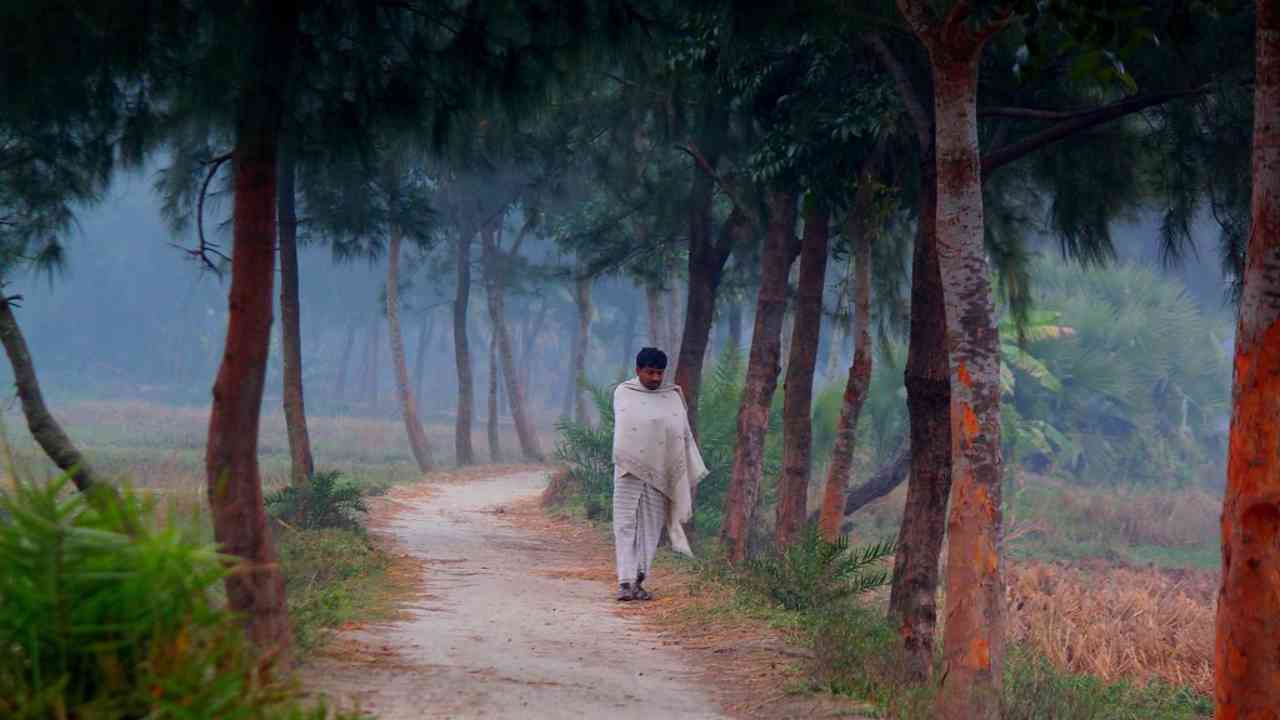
(494, 638)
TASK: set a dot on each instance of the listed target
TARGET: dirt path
(494, 637)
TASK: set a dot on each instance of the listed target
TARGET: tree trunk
(1247, 661)
(657, 331)
(567, 399)
(44, 428)
(913, 595)
(462, 353)
(495, 281)
(420, 365)
(762, 375)
(855, 389)
(375, 365)
(582, 297)
(974, 634)
(797, 407)
(344, 363)
(408, 409)
(627, 345)
(255, 591)
(674, 330)
(295, 413)
(495, 445)
(706, 268)
(735, 326)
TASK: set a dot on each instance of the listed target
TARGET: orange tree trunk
(494, 291)
(295, 410)
(762, 375)
(1247, 657)
(408, 409)
(855, 389)
(462, 353)
(256, 589)
(797, 406)
(973, 639)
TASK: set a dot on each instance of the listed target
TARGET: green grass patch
(332, 577)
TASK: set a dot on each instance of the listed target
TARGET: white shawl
(652, 440)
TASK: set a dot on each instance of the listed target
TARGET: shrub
(98, 623)
(330, 500)
(812, 573)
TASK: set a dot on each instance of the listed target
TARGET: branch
(1018, 113)
(205, 248)
(1083, 121)
(729, 189)
(906, 91)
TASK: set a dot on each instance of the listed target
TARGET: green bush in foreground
(97, 623)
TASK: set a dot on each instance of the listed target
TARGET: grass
(332, 577)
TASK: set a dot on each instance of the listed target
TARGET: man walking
(657, 467)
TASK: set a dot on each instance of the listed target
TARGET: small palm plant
(330, 500)
(813, 574)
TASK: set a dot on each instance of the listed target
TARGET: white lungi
(639, 514)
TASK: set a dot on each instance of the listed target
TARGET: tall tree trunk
(657, 329)
(255, 590)
(974, 634)
(762, 375)
(797, 406)
(408, 409)
(674, 330)
(913, 595)
(420, 365)
(706, 268)
(1247, 659)
(627, 345)
(495, 445)
(582, 298)
(567, 399)
(344, 363)
(295, 412)
(495, 289)
(44, 428)
(462, 352)
(855, 389)
(375, 367)
(735, 326)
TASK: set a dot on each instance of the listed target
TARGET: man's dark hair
(651, 358)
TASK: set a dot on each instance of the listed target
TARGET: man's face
(650, 377)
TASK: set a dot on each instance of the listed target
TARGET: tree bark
(43, 426)
(735, 326)
(495, 444)
(420, 365)
(408, 409)
(582, 298)
(762, 375)
(495, 289)
(295, 412)
(657, 330)
(255, 590)
(674, 330)
(1247, 645)
(706, 269)
(462, 353)
(885, 479)
(628, 341)
(344, 363)
(855, 389)
(797, 408)
(974, 634)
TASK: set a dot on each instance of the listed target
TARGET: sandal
(626, 593)
(640, 593)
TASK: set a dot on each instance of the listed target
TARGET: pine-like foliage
(814, 574)
(330, 500)
(97, 623)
